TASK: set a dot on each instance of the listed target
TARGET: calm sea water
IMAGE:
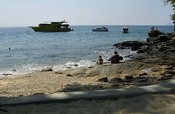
(31, 50)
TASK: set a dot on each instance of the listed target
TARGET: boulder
(92, 73)
(128, 78)
(47, 69)
(116, 80)
(157, 69)
(155, 33)
(80, 72)
(163, 38)
(104, 79)
(141, 79)
(135, 45)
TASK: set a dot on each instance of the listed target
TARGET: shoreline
(130, 73)
(150, 66)
(154, 64)
(30, 68)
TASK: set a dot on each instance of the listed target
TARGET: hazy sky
(84, 12)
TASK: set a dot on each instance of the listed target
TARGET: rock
(143, 49)
(120, 58)
(59, 72)
(116, 80)
(6, 74)
(143, 74)
(170, 67)
(164, 78)
(3, 110)
(92, 73)
(75, 65)
(156, 69)
(128, 78)
(130, 44)
(163, 38)
(169, 72)
(135, 48)
(46, 70)
(104, 79)
(155, 33)
(141, 79)
(91, 67)
(69, 75)
(168, 75)
(80, 72)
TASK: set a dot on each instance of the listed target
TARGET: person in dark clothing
(115, 58)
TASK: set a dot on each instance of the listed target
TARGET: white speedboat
(125, 29)
(102, 29)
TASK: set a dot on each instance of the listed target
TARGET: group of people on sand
(114, 59)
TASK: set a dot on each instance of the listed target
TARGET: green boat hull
(47, 29)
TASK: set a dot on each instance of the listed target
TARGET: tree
(172, 2)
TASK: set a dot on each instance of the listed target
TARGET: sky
(84, 12)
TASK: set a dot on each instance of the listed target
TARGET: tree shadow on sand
(142, 100)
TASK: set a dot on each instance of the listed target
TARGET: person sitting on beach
(115, 58)
(100, 60)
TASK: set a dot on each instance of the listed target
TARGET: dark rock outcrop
(155, 33)
(159, 46)
(104, 79)
(134, 45)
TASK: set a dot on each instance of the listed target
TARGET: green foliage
(172, 2)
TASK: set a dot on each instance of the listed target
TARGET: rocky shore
(154, 62)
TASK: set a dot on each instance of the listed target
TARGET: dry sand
(54, 81)
(145, 104)
(50, 82)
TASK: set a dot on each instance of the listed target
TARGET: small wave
(71, 64)
(29, 68)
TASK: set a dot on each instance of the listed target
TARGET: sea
(23, 50)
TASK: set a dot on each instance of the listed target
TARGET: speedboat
(102, 29)
(125, 29)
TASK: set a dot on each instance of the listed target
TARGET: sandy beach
(152, 66)
(77, 79)
(48, 82)
(145, 104)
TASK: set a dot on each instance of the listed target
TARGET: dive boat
(103, 29)
(125, 29)
(52, 27)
